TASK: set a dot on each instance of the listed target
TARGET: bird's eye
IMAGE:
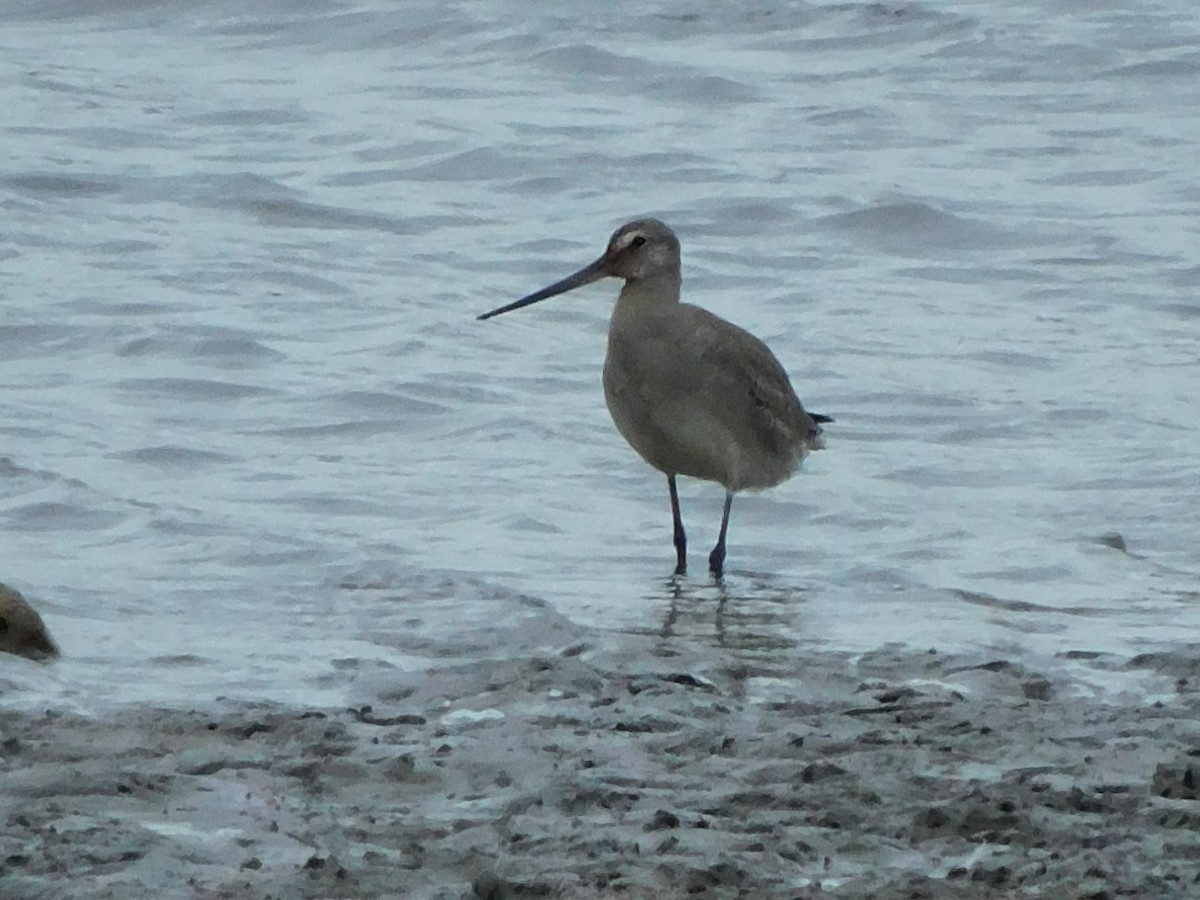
(637, 241)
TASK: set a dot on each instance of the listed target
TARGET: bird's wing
(751, 381)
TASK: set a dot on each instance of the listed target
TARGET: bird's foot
(716, 562)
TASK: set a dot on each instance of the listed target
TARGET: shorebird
(692, 393)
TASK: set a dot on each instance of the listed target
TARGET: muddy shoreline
(626, 765)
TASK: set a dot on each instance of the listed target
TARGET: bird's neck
(645, 292)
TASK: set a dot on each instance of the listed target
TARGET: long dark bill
(586, 275)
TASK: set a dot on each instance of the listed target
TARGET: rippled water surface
(248, 412)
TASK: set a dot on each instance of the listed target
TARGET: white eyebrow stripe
(624, 240)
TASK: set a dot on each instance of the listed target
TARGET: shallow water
(248, 409)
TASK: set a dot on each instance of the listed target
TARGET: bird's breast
(695, 395)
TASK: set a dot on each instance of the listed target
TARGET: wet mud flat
(627, 765)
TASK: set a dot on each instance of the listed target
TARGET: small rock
(662, 819)
(1176, 782)
(488, 886)
(22, 630)
(820, 771)
(1037, 688)
(932, 819)
(996, 877)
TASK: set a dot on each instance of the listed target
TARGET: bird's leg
(716, 559)
(680, 537)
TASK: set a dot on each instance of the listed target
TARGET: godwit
(692, 393)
